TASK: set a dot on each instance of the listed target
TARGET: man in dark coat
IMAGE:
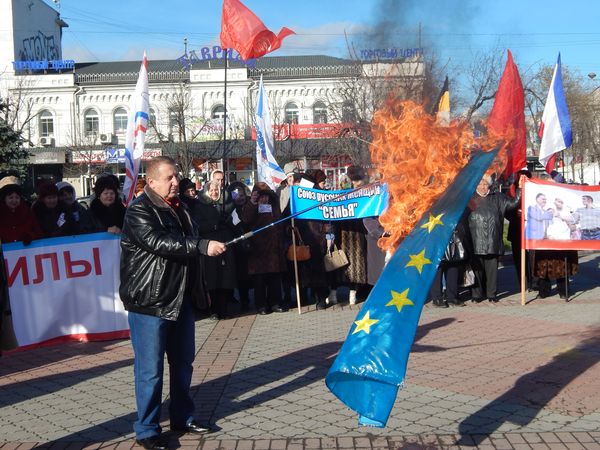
(159, 249)
(486, 223)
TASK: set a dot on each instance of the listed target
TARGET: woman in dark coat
(240, 194)
(81, 217)
(107, 210)
(457, 254)
(53, 218)
(18, 223)
(486, 223)
(314, 233)
(351, 238)
(213, 218)
(267, 260)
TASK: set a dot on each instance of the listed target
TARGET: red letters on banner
(71, 268)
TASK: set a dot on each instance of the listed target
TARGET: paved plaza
(486, 375)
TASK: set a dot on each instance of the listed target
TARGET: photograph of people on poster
(561, 216)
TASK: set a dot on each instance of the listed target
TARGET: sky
(535, 31)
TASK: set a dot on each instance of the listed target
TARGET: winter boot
(332, 297)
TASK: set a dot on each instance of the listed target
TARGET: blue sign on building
(115, 155)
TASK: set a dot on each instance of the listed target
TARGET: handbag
(302, 252)
(335, 259)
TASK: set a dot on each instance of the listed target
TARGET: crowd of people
(258, 268)
(55, 211)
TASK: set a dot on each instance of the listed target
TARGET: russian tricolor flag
(137, 125)
(267, 169)
(555, 129)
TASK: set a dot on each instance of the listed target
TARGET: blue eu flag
(371, 365)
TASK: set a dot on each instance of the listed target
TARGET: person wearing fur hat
(81, 218)
(53, 218)
(107, 210)
(267, 260)
(187, 188)
(18, 223)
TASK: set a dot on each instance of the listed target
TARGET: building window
(91, 123)
(46, 123)
(218, 112)
(120, 121)
(292, 113)
(319, 113)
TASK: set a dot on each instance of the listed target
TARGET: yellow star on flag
(400, 300)
(364, 324)
(433, 221)
(418, 261)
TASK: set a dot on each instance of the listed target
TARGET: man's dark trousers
(151, 337)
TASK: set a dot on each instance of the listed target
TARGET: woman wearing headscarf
(486, 223)
(213, 218)
(81, 218)
(267, 260)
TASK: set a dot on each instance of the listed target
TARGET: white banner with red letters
(560, 216)
(65, 288)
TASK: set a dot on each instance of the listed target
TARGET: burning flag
(243, 31)
(431, 171)
(508, 117)
(137, 124)
(555, 129)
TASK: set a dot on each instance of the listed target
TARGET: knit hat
(47, 189)
(185, 184)
(355, 173)
(8, 185)
(65, 185)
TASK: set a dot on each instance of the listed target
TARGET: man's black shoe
(152, 443)
(277, 309)
(193, 427)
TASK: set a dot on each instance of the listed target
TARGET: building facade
(74, 115)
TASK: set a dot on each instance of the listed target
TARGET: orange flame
(418, 159)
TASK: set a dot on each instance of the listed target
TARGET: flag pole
(296, 266)
(225, 110)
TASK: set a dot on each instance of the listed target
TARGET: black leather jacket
(159, 257)
(486, 221)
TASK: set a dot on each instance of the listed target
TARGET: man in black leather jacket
(159, 257)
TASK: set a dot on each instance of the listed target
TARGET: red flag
(244, 32)
(508, 116)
